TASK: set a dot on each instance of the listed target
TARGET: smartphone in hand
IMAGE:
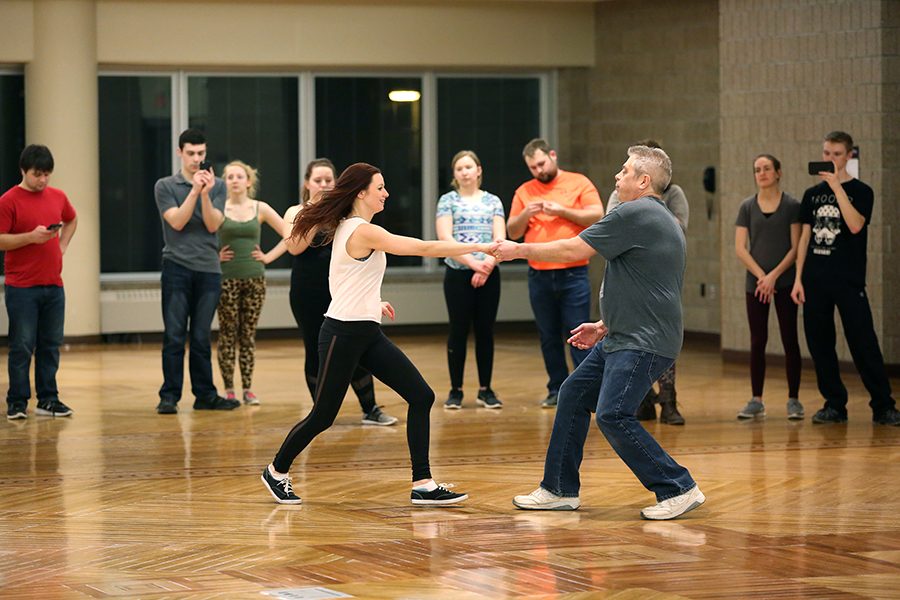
(206, 166)
(54, 226)
(815, 167)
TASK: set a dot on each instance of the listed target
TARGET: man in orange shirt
(555, 205)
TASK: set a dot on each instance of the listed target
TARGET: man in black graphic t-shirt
(831, 272)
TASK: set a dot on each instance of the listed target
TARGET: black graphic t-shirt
(835, 254)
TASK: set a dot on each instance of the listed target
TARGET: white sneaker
(675, 507)
(541, 499)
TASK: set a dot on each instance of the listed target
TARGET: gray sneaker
(794, 409)
(754, 408)
(376, 417)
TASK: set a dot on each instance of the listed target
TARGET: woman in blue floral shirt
(471, 281)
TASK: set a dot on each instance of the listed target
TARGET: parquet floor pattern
(119, 502)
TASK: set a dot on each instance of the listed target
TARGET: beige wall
(656, 76)
(790, 73)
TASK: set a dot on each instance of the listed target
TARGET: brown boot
(668, 408)
(646, 411)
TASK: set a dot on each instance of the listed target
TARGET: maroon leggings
(758, 316)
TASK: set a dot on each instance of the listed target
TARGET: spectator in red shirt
(36, 225)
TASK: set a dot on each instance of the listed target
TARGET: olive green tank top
(242, 237)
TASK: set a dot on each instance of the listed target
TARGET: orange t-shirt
(571, 190)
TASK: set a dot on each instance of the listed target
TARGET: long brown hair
(335, 204)
(319, 162)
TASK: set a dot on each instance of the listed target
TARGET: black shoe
(215, 403)
(17, 410)
(889, 417)
(52, 408)
(550, 400)
(281, 490)
(829, 415)
(454, 402)
(167, 406)
(488, 399)
(436, 497)
(668, 408)
(646, 411)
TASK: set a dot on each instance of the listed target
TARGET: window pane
(135, 123)
(356, 121)
(12, 129)
(494, 117)
(256, 120)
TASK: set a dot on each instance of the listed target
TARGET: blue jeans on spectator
(189, 301)
(36, 317)
(612, 385)
(561, 301)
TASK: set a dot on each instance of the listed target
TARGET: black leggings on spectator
(468, 306)
(344, 345)
(758, 316)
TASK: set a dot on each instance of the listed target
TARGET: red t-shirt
(20, 212)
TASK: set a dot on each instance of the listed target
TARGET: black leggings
(344, 345)
(309, 303)
(758, 316)
(467, 305)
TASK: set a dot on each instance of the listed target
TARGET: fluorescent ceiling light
(404, 96)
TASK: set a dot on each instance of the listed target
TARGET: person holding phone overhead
(190, 204)
(37, 223)
(471, 281)
(351, 335)
(309, 293)
(831, 272)
(243, 274)
(765, 241)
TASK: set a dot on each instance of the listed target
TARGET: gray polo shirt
(193, 247)
(674, 199)
(640, 298)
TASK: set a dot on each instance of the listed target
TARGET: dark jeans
(758, 317)
(818, 322)
(189, 301)
(468, 306)
(612, 385)
(342, 347)
(561, 301)
(36, 317)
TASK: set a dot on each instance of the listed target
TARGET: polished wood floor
(119, 502)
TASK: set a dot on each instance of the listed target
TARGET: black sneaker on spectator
(829, 415)
(549, 401)
(16, 410)
(437, 497)
(488, 399)
(167, 406)
(280, 489)
(889, 417)
(52, 408)
(454, 401)
(215, 403)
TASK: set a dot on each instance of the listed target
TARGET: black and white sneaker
(488, 399)
(16, 410)
(437, 497)
(281, 489)
(52, 408)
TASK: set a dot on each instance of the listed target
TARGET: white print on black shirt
(827, 225)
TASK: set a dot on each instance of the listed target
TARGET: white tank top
(355, 283)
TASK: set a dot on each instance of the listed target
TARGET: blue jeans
(36, 317)
(612, 385)
(189, 301)
(561, 301)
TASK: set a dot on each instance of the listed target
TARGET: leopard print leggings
(239, 308)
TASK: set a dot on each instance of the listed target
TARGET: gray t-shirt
(674, 199)
(770, 237)
(193, 247)
(640, 298)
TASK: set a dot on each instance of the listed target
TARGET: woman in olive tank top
(243, 274)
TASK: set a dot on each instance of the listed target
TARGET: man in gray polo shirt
(191, 204)
(640, 302)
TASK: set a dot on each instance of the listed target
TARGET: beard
(548, 176)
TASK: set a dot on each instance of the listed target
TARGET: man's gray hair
(653, 162)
